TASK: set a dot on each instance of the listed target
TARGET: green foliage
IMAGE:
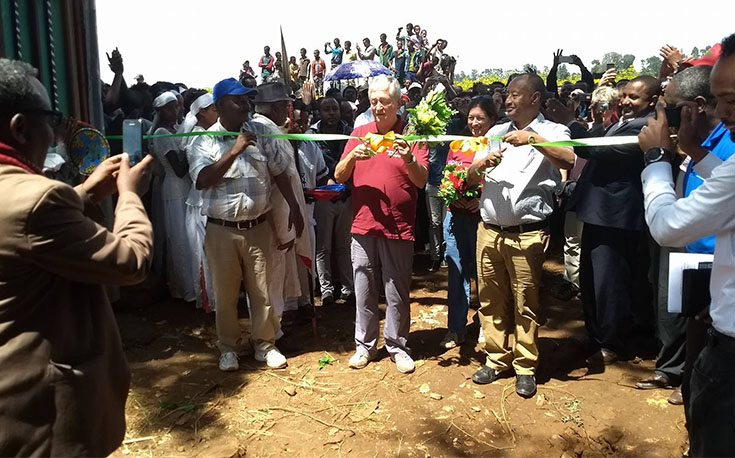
(651, 66)
(324, 361)
(431, 116)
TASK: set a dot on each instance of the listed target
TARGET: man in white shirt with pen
(516, 201)
(709, 210)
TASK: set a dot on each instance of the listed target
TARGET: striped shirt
(244, 193)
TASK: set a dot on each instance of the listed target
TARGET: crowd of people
(234, 221)
(413, 58)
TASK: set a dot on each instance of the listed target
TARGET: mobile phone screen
(673, 116)
(610, 66)
(133, 140)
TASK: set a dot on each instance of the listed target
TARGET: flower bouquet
(454, 184)
(431, 116)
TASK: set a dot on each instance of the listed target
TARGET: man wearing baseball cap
(235, 175)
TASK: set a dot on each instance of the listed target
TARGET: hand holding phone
(133, 140)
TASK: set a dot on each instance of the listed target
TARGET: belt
(239, 225)
(720, 341)
(520, 229)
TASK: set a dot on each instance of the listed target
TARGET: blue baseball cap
(230, 86)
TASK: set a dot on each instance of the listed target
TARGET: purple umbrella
(357, 69)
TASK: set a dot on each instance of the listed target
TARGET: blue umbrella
(357, 69)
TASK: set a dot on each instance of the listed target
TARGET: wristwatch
(413, 159)
(657, 154)
(531, 139)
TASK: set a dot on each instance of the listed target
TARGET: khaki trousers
(509, 270)
(237, 257)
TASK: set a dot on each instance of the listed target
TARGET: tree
(627, 60)
(651, 66)
(695, 52)
(474, 74)
(562, 73)
(530, 68)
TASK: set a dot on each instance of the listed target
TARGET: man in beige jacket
(64, 378)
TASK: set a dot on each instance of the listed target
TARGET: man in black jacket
(609, 200)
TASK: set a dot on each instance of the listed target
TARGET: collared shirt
(336, 55)
(709, 210)
(521, 189)
(383, 197)
(244, 193)
(719, 142)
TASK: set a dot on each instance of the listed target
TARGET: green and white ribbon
(595, 141)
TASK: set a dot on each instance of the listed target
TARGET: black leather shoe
(526, 386)
(603, 357)
(327, 300)
(434, 266)
(485, 375)
(676, 398)
(654, 382)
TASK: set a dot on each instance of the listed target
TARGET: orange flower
(469, 146)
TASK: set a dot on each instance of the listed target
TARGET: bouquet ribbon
(381, 143)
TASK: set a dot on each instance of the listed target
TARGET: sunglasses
(55, 118)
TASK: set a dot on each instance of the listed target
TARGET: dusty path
(181, 405)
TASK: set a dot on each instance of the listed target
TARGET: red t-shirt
(383, 198)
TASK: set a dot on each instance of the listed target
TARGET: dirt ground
(180, 404)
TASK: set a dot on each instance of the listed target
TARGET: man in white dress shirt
(708, 210)
(516, 201)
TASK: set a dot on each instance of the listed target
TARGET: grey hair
(264, 108)
(382, 82)
(17, 93)
(693, 82)
(605, 94)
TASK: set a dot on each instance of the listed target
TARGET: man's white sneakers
(359, 360)
(228, 362)
(404, 363)
(272, 358)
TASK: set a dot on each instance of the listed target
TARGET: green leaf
(324, 361)
(168, 405)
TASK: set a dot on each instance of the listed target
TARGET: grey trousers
(572, 247)
(333, 225)
(382, 263)
(437, 211)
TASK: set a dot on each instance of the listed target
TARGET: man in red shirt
(384, 194)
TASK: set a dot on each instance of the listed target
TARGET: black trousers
(711, 410)
(671, 328)
(607, 283)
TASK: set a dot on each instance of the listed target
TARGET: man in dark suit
(609, 200)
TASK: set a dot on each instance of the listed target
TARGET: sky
(201, 42)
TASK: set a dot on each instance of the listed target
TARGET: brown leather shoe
(603, 357)
(676, 398)
(654, 382)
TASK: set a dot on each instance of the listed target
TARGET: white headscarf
(164, 99)
(203, 101)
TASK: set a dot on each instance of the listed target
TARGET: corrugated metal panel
(55, 36)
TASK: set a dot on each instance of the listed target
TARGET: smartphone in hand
(133, 140)
(673, 116)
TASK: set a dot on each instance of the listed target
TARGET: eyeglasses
(55, 118)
